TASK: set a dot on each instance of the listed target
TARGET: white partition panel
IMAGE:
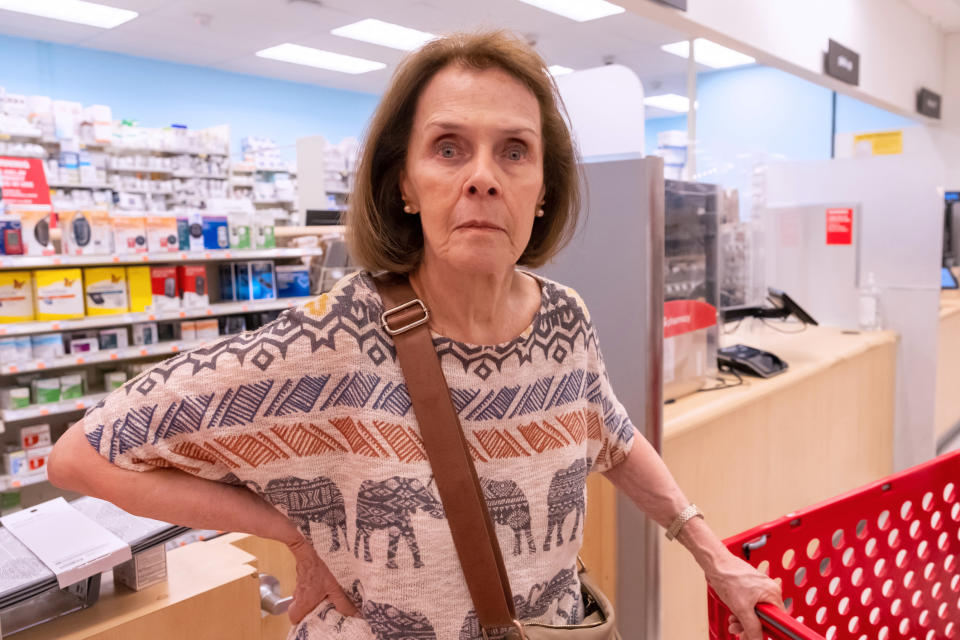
(605, 105)
(901, 239)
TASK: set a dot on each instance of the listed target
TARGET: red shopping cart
(878, 563)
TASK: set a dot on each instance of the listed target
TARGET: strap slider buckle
(384, 317)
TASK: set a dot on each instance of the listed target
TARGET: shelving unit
(8, 482)
(54, 408)
(9, 263)
(120, 319)
(107, 355)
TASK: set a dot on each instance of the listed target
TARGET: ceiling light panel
(668, 102)
(579, 10)
(90, 14)
(559, 70)
(709, 54)
(310, 57)
(385, 34)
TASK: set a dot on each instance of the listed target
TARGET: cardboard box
(166, 290)
(84, 345)
(145, 569)
(254, 280)
(37, 435)
(293, 280)
(35, 230)
(86, 232)
(162, 234)
(46, 391)
(15, 462)
(106, 289)
(16, 296)
(188, 330)
(47, 346)
(193, 285)
(58, 294)
(144, 333)
(15, 350)
(208, 329)
(141, 289)
(130, 233)
(190, 232)
(14, 397)
(11, 239)
(216, 233)
(71, 386)
(113, 338)
(37, 458)
(114, 380)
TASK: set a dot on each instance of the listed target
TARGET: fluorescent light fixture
(78, 11)
(559, 70)
(669, 102)
(310, 57)
(385, 34)
(579, 10)
(709, 53)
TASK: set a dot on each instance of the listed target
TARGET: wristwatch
(688, 514)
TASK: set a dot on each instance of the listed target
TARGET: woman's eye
(516, 152)
(446, 150)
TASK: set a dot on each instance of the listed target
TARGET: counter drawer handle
(270, 599)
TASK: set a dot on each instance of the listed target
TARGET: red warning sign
(23, 181)
(839, 226)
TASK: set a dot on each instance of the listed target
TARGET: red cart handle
(776, 619)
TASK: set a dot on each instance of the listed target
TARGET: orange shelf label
(116, 258)
(174, 348)
(143, 352)
(57, 261)
(13, 369)
(151, 317)
(113, 356)
(41, 365)
(44, 412)
(80, 361)
(55, 326)
(81, 405)
(209, 312)
(183, 314)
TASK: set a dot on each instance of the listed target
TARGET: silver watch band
(685, 516)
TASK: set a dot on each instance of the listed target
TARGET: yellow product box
(58, 293)
(140, 287)
(16, 296)
(106, 290)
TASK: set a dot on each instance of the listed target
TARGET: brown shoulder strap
(453, 470)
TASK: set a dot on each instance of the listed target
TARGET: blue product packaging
(216, 234)
(262, 281)
(227, 289)
(9, 228)
(293, 281)
(241, 280)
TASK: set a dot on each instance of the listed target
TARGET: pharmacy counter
(751, 453)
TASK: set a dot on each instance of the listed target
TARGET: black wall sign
(842, 63)
(676, 4)
(928, 103)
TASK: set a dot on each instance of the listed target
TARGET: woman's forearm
(645, 479)
(165, 494)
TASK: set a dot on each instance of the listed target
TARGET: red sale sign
(23, 181)
(839, 226)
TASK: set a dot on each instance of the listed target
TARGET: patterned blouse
(311, 412)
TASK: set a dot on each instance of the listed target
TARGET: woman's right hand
(315, 583)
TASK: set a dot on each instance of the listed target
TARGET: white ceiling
(225, 34)
(944, 13)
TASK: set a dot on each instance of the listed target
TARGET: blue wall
(157, 94)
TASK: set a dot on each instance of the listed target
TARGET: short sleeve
(158, 419)
(610, 430)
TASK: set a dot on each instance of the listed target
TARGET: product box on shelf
(45, 390)
(15, 350)
(193, 285)
(188, 330)
(228, 291)
(293, 280)
(166, 290)
(58, 294)
(141, 288)
(215, 232)
(114, 380)
(15, 462)
(208, 329)
(144, 333)
(130, 233)
(239, 223)
(86, 232)
(254, 280)
(113, 338)
(37, 435)
(16, 296)
(167, 331)
(11, 238)
(37, 457)
(35, 230)
(229, 325)
(106, 289)
(84, 345)
(47, 346)
(14, 397)
(162, 233)
(263, 232)
(190, 232)
(71, 386)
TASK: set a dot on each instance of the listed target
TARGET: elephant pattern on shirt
(389, 505)
(508, 506)
(305, 501)
(537, 603)
(567, 494)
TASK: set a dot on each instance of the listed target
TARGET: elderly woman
(303, 431)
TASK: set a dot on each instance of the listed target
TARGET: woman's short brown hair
(381, 237)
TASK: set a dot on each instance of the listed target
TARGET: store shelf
(54, 408)
(22, 135)
(140, 170)
(146, 192)
(61, 185)
(274, 202)
(107, 355)
(97, 322)
(10, 263)
(121, 149)
(313, 230)
(186, 175)
(24, 480)
(337, 190)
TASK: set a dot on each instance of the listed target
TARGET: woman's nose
(483, 178)
(492, 191)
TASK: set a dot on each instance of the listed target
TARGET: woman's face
(474, 168)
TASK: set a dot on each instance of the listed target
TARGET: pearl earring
(540, 210)
(407, 208)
